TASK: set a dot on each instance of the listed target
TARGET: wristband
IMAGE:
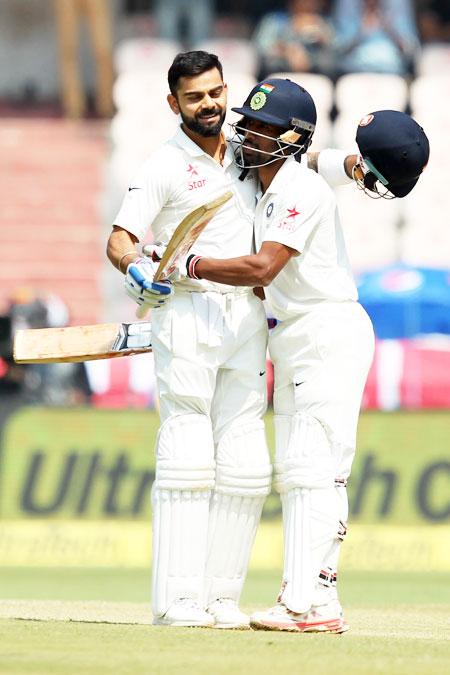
(133, 252)
(331, 166)
(191, 263)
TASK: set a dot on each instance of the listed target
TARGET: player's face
(202, 102)
(255, 141)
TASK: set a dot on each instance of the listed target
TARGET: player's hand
(139, 284)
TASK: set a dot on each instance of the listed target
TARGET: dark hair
(188, 64)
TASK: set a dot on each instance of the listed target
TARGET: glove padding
(139, 284)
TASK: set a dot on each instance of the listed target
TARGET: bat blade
(187, 233)
(81, 343)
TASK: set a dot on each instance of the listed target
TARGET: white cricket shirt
(299, 210)
(175, 180)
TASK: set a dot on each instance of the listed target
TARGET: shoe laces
(187, 603)
(226, 602)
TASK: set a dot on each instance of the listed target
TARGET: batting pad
(243, 479)
(180, 499)
(310, 525)
(304, 475)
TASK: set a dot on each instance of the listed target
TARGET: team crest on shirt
(195, 181)
(269, 210)
(289, 223)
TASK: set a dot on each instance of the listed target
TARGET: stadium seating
(236, 55)
(434, 58)
(370, 229)
(360, 93)
(145, 55)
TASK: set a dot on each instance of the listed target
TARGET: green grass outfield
(399, 625)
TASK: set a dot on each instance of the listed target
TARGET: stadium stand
(51, 223)
(144, 55)
(236, 55)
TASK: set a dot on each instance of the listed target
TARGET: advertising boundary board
(75, 485)
(128, 545)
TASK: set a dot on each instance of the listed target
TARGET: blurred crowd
(330, 37)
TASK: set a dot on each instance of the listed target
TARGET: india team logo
(258, 100)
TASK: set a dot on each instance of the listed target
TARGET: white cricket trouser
(210, 352)
(321, 361)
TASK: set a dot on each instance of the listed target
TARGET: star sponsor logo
(293, 213)
(195, 181)
(192, 170)
(289, 223)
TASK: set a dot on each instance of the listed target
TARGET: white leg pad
(305, 465)
(326, 590)
(180, 498)
(243, 480)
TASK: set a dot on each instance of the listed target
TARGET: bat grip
(141, 311)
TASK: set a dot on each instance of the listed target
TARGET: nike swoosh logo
(262, 372)
(129, 189)
(297, 384)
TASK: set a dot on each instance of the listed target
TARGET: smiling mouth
(211, 116)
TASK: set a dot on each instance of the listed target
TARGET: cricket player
(323, 344)
(213, 470)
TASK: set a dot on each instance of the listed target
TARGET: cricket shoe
(185, 612)
(227, 614)
(320, 619)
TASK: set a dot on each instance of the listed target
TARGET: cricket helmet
(281, 103)
(394, 151)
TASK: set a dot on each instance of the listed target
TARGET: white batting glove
(154, 251)
(139, 284)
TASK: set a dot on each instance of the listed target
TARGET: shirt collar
(187, 144)
(183, 141)
(279, 181)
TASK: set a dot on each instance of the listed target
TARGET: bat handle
(141, 311)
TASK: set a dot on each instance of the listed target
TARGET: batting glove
(139, 284)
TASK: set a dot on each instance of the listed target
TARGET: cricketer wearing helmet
(323, 344)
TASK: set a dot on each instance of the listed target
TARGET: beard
(199, 126)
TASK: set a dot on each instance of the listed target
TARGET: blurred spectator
(434, 20)
(185, 21)
(298, 39)
(377, 36)
(47, 384)
(97, 13)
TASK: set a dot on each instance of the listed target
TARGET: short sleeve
(147, 194)
(297, 217)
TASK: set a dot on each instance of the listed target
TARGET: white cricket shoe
(185, 612)
(227, 614)
(321, 619)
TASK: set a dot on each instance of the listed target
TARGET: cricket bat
(110, 340)
(82, 343)
(182, 240)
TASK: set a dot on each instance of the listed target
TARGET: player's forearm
(121, 248)
(247, 270)
(333, 165)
